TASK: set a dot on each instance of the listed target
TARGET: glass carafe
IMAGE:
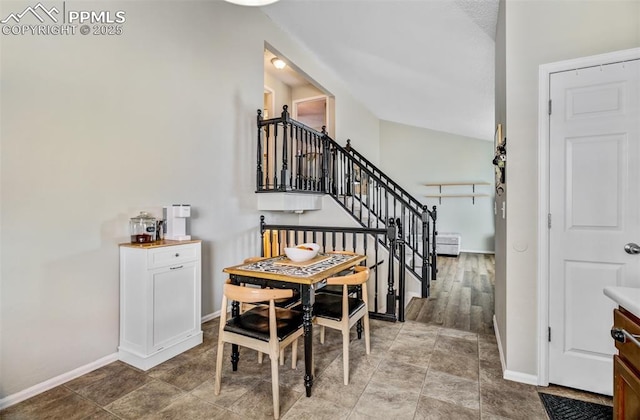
(142, 228)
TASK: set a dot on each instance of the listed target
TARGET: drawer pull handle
(621, 335)
(176, 268)
(177, 255)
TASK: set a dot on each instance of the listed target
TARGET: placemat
(314, 260)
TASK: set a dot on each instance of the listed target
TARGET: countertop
(158, 244)
(626, 297)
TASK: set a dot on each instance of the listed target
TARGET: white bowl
(302, 252)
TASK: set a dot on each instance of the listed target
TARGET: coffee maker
(175, 217)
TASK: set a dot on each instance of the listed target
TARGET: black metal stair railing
(292, 157)
(387, 304)
(414, 207)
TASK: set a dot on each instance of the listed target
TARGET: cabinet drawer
(626, 394)
(628, 350)
(169, 255)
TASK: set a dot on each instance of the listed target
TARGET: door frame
(296, 102)
(544, 74)
(271, 92)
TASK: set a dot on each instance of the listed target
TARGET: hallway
(463, 296)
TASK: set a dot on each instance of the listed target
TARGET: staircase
(294, 158)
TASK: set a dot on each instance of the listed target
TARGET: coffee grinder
(175, 217)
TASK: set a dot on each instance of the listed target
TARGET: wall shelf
(453, 184)
(473, 194)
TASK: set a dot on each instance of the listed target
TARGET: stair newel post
(426, 263)
(325, 160)
(285, 163)
(401, 271)
(348, 191)
(259, 173)
(334, 171)
(434, 260)
(262, 230)
(347, 179)
(391, 296)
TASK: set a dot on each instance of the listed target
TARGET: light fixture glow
(278, 63)
(252, 2)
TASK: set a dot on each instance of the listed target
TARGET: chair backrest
(254, 294)
(360, 276)
(342, 252)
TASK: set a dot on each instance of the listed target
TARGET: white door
(594, 204)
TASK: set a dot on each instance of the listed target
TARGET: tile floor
(415, 371)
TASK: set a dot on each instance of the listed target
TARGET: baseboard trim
(499, 341)
(525, 378)
(477, 251)
(507, 374)
(25, 394)
(209, 317)
(56, 381)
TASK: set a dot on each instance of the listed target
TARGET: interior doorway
(589, 151)
(307, 100)
(268, 107)
(312, 111)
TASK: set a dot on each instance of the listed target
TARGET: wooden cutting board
(314, 260)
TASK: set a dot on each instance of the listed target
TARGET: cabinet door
(173, 306)
(626, 402)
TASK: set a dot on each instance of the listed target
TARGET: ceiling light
(252, 2)
(278, 63)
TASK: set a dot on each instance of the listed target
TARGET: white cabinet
(160, 289)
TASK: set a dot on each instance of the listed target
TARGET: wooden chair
(337, 289)
(341, 312)
(265, 329)
(287, 303)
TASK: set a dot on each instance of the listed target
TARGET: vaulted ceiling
(426, 63)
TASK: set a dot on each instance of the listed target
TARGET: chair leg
(321, 334)
(219, 367)
(345, 356)
(275, 386)
(294, 353)
(281, 357)
(367, 336)
(260, 356)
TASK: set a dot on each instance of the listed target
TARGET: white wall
(281, 93)
(95, 129)
(305, 91)
(413, 156)
(500, 286)
(539, 32)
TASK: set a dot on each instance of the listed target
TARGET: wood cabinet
(626, 366)
(160, 301)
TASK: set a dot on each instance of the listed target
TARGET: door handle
(632, 248)
(621, 335)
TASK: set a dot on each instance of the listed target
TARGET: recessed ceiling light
(278, 63)
(252, 2)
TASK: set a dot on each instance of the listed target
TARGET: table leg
(235, 352)
(307, 306)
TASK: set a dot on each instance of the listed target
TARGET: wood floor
(462, 297)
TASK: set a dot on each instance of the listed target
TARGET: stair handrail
(401, 196)
(387, 180)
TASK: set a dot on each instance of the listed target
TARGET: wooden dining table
(307, 277)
